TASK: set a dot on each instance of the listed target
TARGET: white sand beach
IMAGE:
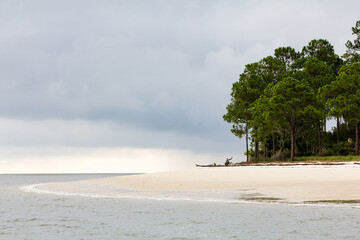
(288, 183)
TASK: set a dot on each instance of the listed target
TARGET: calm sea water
(26, 215)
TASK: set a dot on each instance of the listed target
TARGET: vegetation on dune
(309, 159)
(282, 102)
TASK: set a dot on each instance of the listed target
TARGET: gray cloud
(158, 66)
(81, 134)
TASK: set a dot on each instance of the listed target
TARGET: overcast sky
(141, 82)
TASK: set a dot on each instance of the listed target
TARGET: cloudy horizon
(145, 79)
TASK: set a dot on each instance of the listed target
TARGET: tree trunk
(273, 142)
(324, 127)
(256, 146)
(292, 139)
(247, 143)
(319, 136)
(292, 144)
(264, 149)
(338, 130)
(357, 139)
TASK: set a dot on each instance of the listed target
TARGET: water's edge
(245, 196)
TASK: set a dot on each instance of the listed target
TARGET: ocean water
(30, 215)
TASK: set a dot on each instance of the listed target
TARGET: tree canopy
(283, 101)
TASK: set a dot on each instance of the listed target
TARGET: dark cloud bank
(143, 73)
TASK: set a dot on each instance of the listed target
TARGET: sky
(139, 86)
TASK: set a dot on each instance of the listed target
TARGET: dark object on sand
(227, 162)
(209, 165)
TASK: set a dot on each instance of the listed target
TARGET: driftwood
(209, 165)
(227, 162)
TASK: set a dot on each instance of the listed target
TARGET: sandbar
(291, 184)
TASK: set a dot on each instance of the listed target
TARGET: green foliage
(284, 100)
(346, 93)
(352, 54)
(292, 98)
(327, 158)
(333, 158)
(321, 50)
(318, 73)
(343, 148)
(288, 56)
(261, 160)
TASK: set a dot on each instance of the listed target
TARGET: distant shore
(293, 184)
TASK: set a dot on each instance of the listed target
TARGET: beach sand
(282, 183)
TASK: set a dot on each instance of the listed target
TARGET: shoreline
(287, 184)
(283, 163)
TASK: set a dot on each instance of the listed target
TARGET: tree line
(282, 102)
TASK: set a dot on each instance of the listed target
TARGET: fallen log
(209, 165)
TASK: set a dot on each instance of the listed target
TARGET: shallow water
(26, 215)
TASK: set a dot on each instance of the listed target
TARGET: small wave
(197, 196)
(34, 189)
(231, 197)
